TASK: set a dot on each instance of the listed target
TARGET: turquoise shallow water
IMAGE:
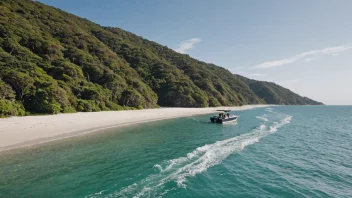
(289, 151)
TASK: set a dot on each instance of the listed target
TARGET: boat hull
(223, 121)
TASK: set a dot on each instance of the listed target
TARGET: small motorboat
(224, 117)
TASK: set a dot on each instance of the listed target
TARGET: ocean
(280, 151)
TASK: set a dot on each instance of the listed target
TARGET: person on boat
(228, 115)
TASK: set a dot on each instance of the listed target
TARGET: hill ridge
(52, 61)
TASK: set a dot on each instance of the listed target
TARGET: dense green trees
(272, 93)
(8, 105)
(52, 62)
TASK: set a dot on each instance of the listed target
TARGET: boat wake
(174, 172)
(263, 117)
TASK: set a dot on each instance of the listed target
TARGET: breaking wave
(175, 172)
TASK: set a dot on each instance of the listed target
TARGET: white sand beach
(30, 130)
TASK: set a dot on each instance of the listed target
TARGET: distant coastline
(18, 132)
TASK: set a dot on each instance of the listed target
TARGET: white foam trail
(179, 169)
(269, 109)
(263, 118)
(157, 166)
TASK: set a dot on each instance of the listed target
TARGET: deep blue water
(281, 151)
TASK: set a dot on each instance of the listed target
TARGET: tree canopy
(52, 61)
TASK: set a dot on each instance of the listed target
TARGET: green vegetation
(272, 93)
(52, 62)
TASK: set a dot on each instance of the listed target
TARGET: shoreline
(18, 132)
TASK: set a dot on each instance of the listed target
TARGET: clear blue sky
(305, 46)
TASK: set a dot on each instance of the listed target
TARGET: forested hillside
(52, 61)
(272, 93)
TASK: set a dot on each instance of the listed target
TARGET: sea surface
(281, 151)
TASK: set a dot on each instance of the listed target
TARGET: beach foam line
(179, 169)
